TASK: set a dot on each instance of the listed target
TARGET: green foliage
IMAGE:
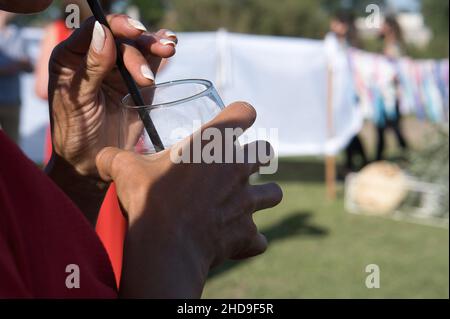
(358, 7)
(435, 50)
(436, 17)
(431, 164)
(372, 45)
(152, 12)
(284, 17)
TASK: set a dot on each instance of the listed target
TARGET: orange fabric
(111, 228)
(61, 30)
(47, 146)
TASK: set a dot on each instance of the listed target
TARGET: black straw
(129, 81)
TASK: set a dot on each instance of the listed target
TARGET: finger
(125, 27)
(168, 34)
(156, 45)
(155, 50)
(107, 162)
(257, 247)
(229, 124)
(238, 116)
(257, 154)
(248, 200)
(80, 40)
(138, 66)
(99, 63)
(265, 196)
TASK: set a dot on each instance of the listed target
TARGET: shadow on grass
(297, 170)
(297, 224)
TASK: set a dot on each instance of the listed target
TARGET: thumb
(107, 162)
(99, 62)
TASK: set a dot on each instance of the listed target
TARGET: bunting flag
(421, 86)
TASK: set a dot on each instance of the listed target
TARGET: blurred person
(55, 33)
(172, 241)
(392, 37)
(342, 26)
(343, 29)
(13, 62)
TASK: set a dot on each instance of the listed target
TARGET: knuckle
(250, 110)
(97, 65)
(121, 160)
(114, 17)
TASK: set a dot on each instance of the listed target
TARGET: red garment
(41, 233)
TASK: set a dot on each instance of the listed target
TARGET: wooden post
(330, 160)
(330, 176)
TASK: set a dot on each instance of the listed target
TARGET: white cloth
(285, 79)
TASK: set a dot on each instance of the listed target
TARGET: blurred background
(424, 21)
(366, 185)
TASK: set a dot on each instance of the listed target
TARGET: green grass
(317, 250)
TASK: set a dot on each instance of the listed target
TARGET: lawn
(317, 250)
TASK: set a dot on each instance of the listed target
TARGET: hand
(85, 88)
(185, 218)
(85, 92)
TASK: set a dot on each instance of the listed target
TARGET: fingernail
(171, 34)
(167, 42)
(98, 37)
(137, 24)
(147, 72)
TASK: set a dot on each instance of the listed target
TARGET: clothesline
(423, 85)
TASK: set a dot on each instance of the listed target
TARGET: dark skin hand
(186, 218)
(85, 93)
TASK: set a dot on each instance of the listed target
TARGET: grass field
(317, 250)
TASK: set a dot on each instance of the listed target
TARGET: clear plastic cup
(177, 109)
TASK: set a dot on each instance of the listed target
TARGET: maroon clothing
(41, 233)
